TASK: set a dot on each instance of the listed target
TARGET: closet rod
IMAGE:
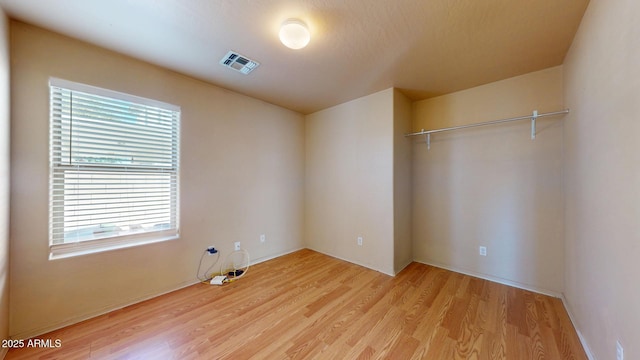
(527, 117)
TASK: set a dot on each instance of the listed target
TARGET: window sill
(63, 251)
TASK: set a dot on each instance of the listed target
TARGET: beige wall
(403, 254)
(242, 175)
(349, 181)
(492, 186)
(566, 203)
(602, 165)
(4, 177)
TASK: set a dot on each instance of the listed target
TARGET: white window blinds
(114, 161)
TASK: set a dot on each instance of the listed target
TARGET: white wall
(602, 164)
(492, 186)
(245, 163)
(242, 175)
(4, 177)
(349, 181)
(403, 252)
(358, 181)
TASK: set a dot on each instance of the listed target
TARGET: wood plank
(308, 305)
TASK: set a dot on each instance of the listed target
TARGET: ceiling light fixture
(294, 34)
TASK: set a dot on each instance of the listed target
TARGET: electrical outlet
(263, 238)
(619, 351)
(237, 245)
(360, 240)
(483, 251)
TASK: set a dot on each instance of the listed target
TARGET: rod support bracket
(534, 117)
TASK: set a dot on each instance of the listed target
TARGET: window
(114, 170)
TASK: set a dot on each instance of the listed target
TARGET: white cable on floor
(207, 274)
(232, 272)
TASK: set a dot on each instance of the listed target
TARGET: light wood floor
(308, 305)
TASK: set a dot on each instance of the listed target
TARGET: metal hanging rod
(533, 117)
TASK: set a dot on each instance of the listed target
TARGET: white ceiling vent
(239, 62)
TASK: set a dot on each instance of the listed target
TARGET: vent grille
(239, 62)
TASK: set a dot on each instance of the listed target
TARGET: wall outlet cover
(483, 251)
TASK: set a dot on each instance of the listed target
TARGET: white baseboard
(390, 273)
(496, 279)
(43, 330)
(400, 268)
(583, 341)
(271, 257)
(74, 320)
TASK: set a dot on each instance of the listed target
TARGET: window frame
(90, 246)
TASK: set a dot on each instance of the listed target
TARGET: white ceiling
(423, 47)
